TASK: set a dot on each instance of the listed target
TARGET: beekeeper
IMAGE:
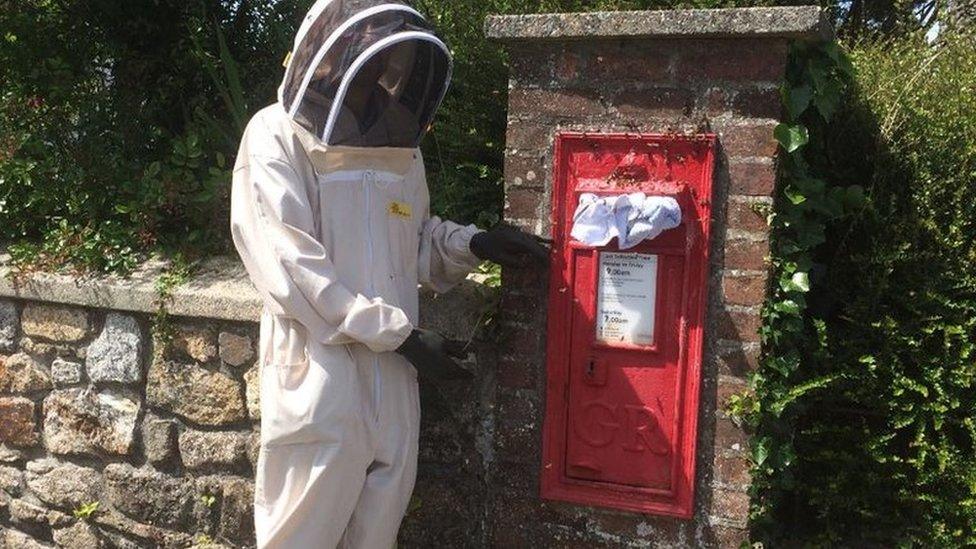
(330, 215)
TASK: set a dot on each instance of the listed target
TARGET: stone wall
(162, 440)
(162, 432)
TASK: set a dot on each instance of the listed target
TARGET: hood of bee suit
(365, 74)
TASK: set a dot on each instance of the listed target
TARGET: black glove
(510, 247)
(432, 355)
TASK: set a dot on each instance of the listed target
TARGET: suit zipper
(368, 178)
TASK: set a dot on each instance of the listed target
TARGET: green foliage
(865, 18)
(208, 499)
(864, 403)
(118, 126)
(804, 209)
(85, 510)
(175, 273)
(78, 247)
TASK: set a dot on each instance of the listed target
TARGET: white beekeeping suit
(330, 215)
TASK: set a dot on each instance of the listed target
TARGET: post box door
(621, 412)
(624, 334)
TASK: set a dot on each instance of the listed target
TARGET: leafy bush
(865, 402)
(118, 124)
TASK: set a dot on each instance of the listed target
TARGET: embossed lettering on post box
(625, 329)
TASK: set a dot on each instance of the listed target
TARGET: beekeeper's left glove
(510, 247)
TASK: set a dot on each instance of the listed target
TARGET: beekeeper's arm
(273, 224)
(449, 251)
(445, 252)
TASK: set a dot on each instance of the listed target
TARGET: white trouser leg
(390, 480)
(315, 449)
(312, 496)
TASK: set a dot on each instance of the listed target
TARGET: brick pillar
(653, 72)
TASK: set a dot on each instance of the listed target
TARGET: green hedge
(865, 408)
(119, 122)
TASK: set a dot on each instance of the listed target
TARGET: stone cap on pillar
(801, 22)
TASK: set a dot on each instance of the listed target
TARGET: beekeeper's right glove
(433, 355)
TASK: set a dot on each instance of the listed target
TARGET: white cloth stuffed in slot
(632, 218)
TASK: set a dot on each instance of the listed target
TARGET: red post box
(625, 329)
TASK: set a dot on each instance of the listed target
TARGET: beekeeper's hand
(433, 355)
(511, 247)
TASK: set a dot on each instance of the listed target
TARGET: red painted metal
(621, 420)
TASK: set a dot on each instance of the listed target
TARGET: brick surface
(521, 279)
(518, 429)
(732, 471)
(727, 84)
(525, 170)
(655, 103)
(745, 290)
(716, 101)
(729, 437)
(731, 505)
(569, 64)
(726, 537)
(516, 373)
(752, 178)
(727, 388)
(524, 306)
(521, 203)
(758, 102)
(555, 104)
(523, 522)
(737, 360)
(743, 101)
(516, 478)
(633, 525)
(443, 514)
(749, 140)
(746, 255)
(760, 60)
(738, 325)
(527, 135)
(521, 341)
(620, 62)
(531, 66)
(747, 215)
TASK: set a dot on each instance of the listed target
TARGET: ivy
(175, 273)
(804, 209)
(861, 411)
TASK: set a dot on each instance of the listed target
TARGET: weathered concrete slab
(218, 289)
(791, 22)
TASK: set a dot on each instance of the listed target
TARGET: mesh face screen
(392, 92)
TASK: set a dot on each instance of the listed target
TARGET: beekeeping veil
(365, 73)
